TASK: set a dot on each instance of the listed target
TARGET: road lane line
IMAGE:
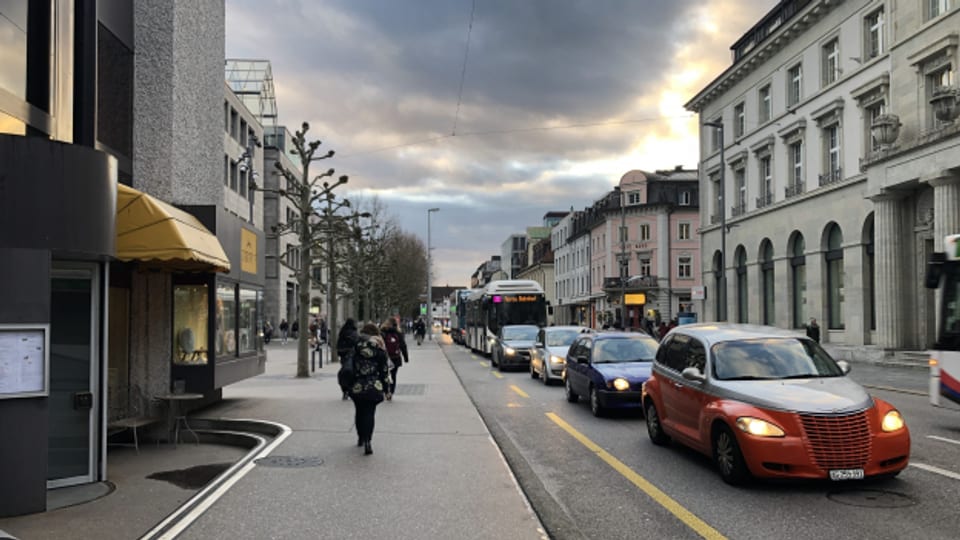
(937, 470)
(485, 364)
(497, 375)
(943, 439)
(519, 391)
(664, 500)
(895, 389)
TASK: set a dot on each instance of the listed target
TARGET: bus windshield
(532, 310)
(950, 327)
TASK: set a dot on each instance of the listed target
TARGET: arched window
(742, 293)
(869, 270)
(766, 279)
(720, 310)
(834, 262)
(798, 280)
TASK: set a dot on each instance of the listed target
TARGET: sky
(494, 111)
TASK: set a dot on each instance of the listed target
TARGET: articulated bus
(943, 273)
(500, 303)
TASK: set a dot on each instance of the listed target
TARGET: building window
(798, 289)
(796, 170)
(644, 266)
(683, 231)
(684, 267)
(868, 270)
(623, 234)
(715, 141)
(644, 232)
(226, 313)
(831, 61)
(935, 8)
(234, 175)
(870, 113)
(766, 277)
(234, 123)
(743, 294)
(243, 183)
(873, 33)
(13, 42)
(935, 80)
(633, 197)
(720, 308)
(249, 309)
(831, 155)
(226, 171)
(190, 308)
(684, 198)
(243, 133)
(766, 183)
(795, 84)
(739, 120)
(834, 261)
(740, 181)
(766, 109)
(717, 198)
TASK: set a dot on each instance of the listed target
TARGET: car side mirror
(538, 344)
(693, 374)
(844, 366)
(582, 359)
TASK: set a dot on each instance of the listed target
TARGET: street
(592, 477)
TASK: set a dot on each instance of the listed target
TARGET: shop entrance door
(74, 368)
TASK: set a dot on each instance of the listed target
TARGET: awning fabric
(163, 236)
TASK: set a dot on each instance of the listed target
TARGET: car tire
(654, 427)
(533, 372)
(572, 396)
(543, 376)
(595, 406)
(500, 366)
(493, 358)
(728, 457)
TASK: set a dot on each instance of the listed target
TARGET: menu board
(23, 361)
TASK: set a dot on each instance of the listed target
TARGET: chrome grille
(838, 441)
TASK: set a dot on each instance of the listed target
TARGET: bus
(502, 302)
(943, 274)
(458, 315)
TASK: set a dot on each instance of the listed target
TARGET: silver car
(549, 354)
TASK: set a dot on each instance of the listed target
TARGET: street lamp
(622, 262)
(722, 293)
(429, 289)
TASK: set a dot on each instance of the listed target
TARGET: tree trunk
(303, 277)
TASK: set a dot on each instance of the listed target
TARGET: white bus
(943, 274)
(517, 301)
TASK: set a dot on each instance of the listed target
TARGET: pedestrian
(284, 328)
(323, 331)
(346, 344)
(813, 330)
(295, 329)
(267, 332)
(419, 330)
(662, 330)
(396, 351)
(371, 381)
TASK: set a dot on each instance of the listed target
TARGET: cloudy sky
(559, 99)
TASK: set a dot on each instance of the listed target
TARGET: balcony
(831, 177)
(633, 283)
(794, 189)
(738, 210)
(765, 200)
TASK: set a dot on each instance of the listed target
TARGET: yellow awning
(161, 235)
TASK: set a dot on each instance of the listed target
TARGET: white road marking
(937, 470)
(943, 439)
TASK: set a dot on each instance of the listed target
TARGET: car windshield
(526, 333)
(638, 349)
(772, 358)
(561, 338)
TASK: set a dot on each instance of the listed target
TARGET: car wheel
(544, 377)
(533, 372)
(654, 427)
(572, 396)
(595, 406)
(493, 358)
(728, 457)
(500, 366)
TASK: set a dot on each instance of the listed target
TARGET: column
(946, 207)
(782, 292)
(888, 251)
(754, 294)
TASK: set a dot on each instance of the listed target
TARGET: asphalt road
(599, 478)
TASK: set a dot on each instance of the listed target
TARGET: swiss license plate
(846, 474)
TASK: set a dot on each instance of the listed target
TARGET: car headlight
(621, 384)
(554, 359)
(509, 350)
(758, 427)
(892, 421)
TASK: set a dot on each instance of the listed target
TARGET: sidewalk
(435, 471)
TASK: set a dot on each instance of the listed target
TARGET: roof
(711, 333)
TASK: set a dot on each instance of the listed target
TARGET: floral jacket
(372, 371)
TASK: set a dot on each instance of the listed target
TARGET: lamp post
(429, 289)
(722, 198)
(622, 263)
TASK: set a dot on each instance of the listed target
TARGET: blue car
(610, 368)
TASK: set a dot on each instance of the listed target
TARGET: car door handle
(678, 385)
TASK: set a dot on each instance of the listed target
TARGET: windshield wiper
(747, 378)
(803, 376)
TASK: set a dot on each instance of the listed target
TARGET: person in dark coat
(396, 350)
(813, 330)
(371, 382)
(346, 344)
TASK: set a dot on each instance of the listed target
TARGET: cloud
(560, 98)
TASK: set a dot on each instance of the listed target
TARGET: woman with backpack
(396, 351)
(370, 381)
(346, 344)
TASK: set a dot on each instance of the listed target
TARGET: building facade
(513, 253)
(571, 270)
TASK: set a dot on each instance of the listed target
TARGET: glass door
(73, 402)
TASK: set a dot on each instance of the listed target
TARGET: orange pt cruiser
(767, 402)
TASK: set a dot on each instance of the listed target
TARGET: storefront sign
(248, 251)
(636, 299)
(698, 293)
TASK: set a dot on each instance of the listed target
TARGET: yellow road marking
(497, 375)
(651, 490)
(519, 391)
(485, 364)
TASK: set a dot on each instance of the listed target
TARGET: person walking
(346, 344)
(396, 351)
(813, 330)
(419, 330)
(371, 381)
(284, 327)
(323, 331)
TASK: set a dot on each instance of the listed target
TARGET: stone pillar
(782, 301)
(856, 317)
(888, 253)
(754, 294)
(816, 274)
(946, 207)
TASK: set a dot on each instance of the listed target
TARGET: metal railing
(738, 210)
(831, 177)
(765, 200)
(794, 189)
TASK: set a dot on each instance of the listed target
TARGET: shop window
(190, 340)
(248, 320)
(226, 320)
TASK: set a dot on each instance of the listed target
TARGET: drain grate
(411, 389)
(871, 498)
(290, 462)
(193, 477)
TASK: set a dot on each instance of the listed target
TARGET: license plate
(846, 474)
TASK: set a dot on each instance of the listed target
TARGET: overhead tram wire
(463, 71)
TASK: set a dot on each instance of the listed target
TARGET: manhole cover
(410, 389)
(193, 477)
(871, 498)
(289, 462)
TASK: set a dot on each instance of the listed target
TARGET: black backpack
(348, 373)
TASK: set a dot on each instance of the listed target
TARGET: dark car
(513, 345)
(610, 368)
